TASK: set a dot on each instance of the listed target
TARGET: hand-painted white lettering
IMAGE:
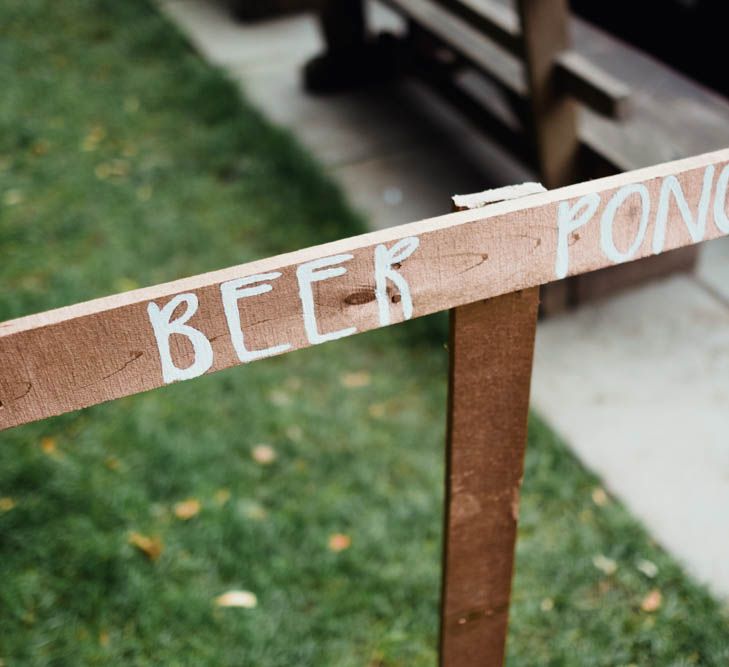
(231, 292)
(721, 219)
(312, 272)
(164, 327)
(570, 219)
(607, 243)
(384, 259)
(697, 229)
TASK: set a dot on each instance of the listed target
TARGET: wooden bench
(513, 72)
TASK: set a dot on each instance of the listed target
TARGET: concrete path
(638, 385)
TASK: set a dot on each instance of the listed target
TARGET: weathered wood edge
(96, 351)
(442, 222)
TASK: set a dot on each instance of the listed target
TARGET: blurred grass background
(125, 161)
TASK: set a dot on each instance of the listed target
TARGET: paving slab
(638, 385)
(226, 42)
(338, 129)
(389, 190)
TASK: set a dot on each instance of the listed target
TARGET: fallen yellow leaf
(377, 410)
(116, 168)
(279, 398)
(652, 601)
(13, 197)
(112, 463)
(294, 432)
(150, 546)
(102, 171)
(6, 504)
(648, 568)
(244, 599)
(263, 454)
(599, 497)
(40, 147)
(355, 380)
(93, 138)
(144, 192)
(222, 496)
(104, 638)
(48, 445)
(605, 564)
(187, 509)
(125, 284)
(253, 510)
(339, 542)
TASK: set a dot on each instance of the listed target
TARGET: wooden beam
(96, 351)
(483, 110)
(544, 26)
(592, 86)
(491, 348)
(553, 125)
(466, 40)
(498, 22)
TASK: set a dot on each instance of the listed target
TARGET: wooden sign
(92, 352)
(484, 264)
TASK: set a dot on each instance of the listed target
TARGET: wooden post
(491, 349)
(544, 25)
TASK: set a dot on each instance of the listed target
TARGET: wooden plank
(553, 128)
(88, 353)
(544, 25)
(491, 348)
(483, 111)
(498, 22)
(467, 41)
(592, 86)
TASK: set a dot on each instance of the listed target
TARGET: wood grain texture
(544, 27)
(491, 348)
(499, 22)
(96, 351)
(592, 86)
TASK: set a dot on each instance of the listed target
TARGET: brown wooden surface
(491, 348)
(592, 86)
(553, 119)
(88, 353)
(544, 25)
(499, 22)
(669, 116)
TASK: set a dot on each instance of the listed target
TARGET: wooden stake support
(491, 346)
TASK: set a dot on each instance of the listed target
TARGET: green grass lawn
(126, 161)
